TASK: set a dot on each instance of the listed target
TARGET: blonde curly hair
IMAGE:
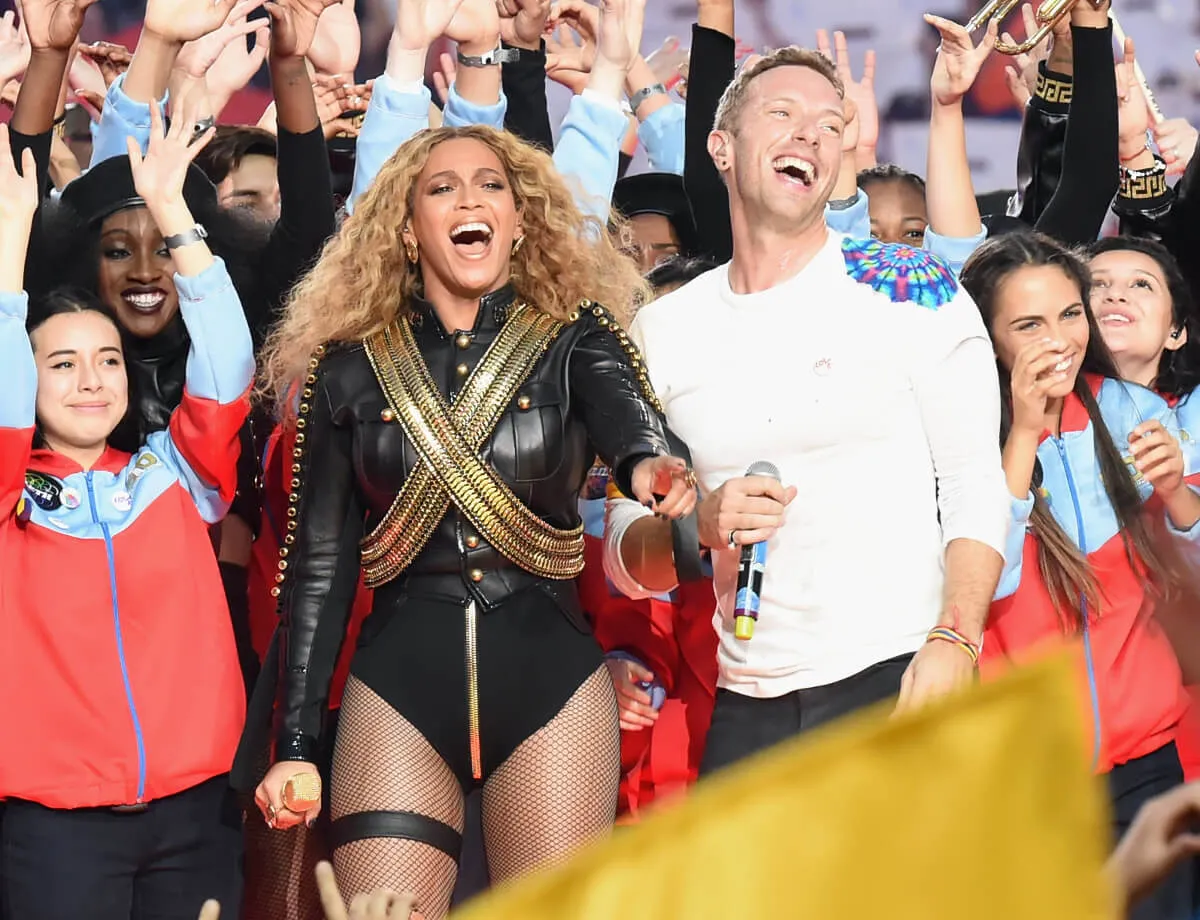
(363, 281)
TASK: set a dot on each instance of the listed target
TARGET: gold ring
(302, 792)
(690, 478)
(270, 814)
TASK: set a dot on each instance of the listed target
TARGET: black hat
(658, 193)
(108, 187)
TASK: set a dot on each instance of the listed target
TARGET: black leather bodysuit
(582, 398)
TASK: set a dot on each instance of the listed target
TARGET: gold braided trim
(450, 469)
(422, 501)
(1143, 184)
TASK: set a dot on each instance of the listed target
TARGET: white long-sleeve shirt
(882, 412)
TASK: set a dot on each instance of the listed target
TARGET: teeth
(1063, 364)
(145, 301)
(473, 227)
(803, 166)
(1115, 318)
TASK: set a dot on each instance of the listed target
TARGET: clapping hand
(860, 92)
(337, 41)
(53, 25)
(522, 21)
(294, 25)
(198, 56)
(959, 60)
(159, 175)
(111, 59)
(185, 20)
(419, 23)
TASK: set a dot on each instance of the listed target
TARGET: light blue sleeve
(1014, 546)
(854, 221)
(952, 250)
(662, 135)
(18, 396)
(208, 501)
(392, 118)
(589, 150)
(395, 114)
(121, 118)
(459, 113)
(220, 363)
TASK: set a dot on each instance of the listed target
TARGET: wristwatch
(195, 235)
(654, 89)
(499, 55)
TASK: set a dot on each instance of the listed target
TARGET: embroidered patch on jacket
(140, 469)
(46, 491)
(905, 274)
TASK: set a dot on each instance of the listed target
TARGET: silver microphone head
(763, 468)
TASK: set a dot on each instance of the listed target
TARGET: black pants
(157, 864)
(743, 725)
(1130, 786)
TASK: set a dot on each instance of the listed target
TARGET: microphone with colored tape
(751, 570)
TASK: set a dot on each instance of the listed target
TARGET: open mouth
(145, 301)
(472, 238)
(1114, 318)
(796, 169)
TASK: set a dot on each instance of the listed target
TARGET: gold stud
(573, 316)
(603, 321)
(295, 467)
(472, 542)
(291, 525)
(476, 575)
(279, 578)
(463, 341)
(289, 539)
(320, 351)
(275, 591)
(524, 402)
(295, 483)
(585, 304)
(283, 551)
(597, 311)
(310, 379)
(301, 424)
(388, 414)
(300, 436)
(292, 514)
(297, 453)
(304, 408)
(282, 565)
(293, 498)
(306, 393)
(462, 370)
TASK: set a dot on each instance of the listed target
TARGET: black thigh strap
(406, 825)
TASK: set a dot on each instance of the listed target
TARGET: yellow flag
(982, 808)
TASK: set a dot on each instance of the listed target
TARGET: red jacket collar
(1074, 412)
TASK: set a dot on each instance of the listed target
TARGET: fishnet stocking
(558, 790)
(382, 763)
(279, 865)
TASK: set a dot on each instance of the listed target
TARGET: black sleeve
(1090, 168)
(325, 517)
(37, 272)
(1040, 154)
(524, 85)
(711, 68)
(613, 397)
(305, 221)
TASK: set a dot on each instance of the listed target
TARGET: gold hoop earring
(516, 246)
(410, 250)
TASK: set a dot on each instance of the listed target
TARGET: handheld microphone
(751, 570)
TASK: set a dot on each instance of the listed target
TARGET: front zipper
(473, 691)
(1083, 607)
(112, 580)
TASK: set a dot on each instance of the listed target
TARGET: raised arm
(1090, 174)
(18, 202)
(203, 434)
